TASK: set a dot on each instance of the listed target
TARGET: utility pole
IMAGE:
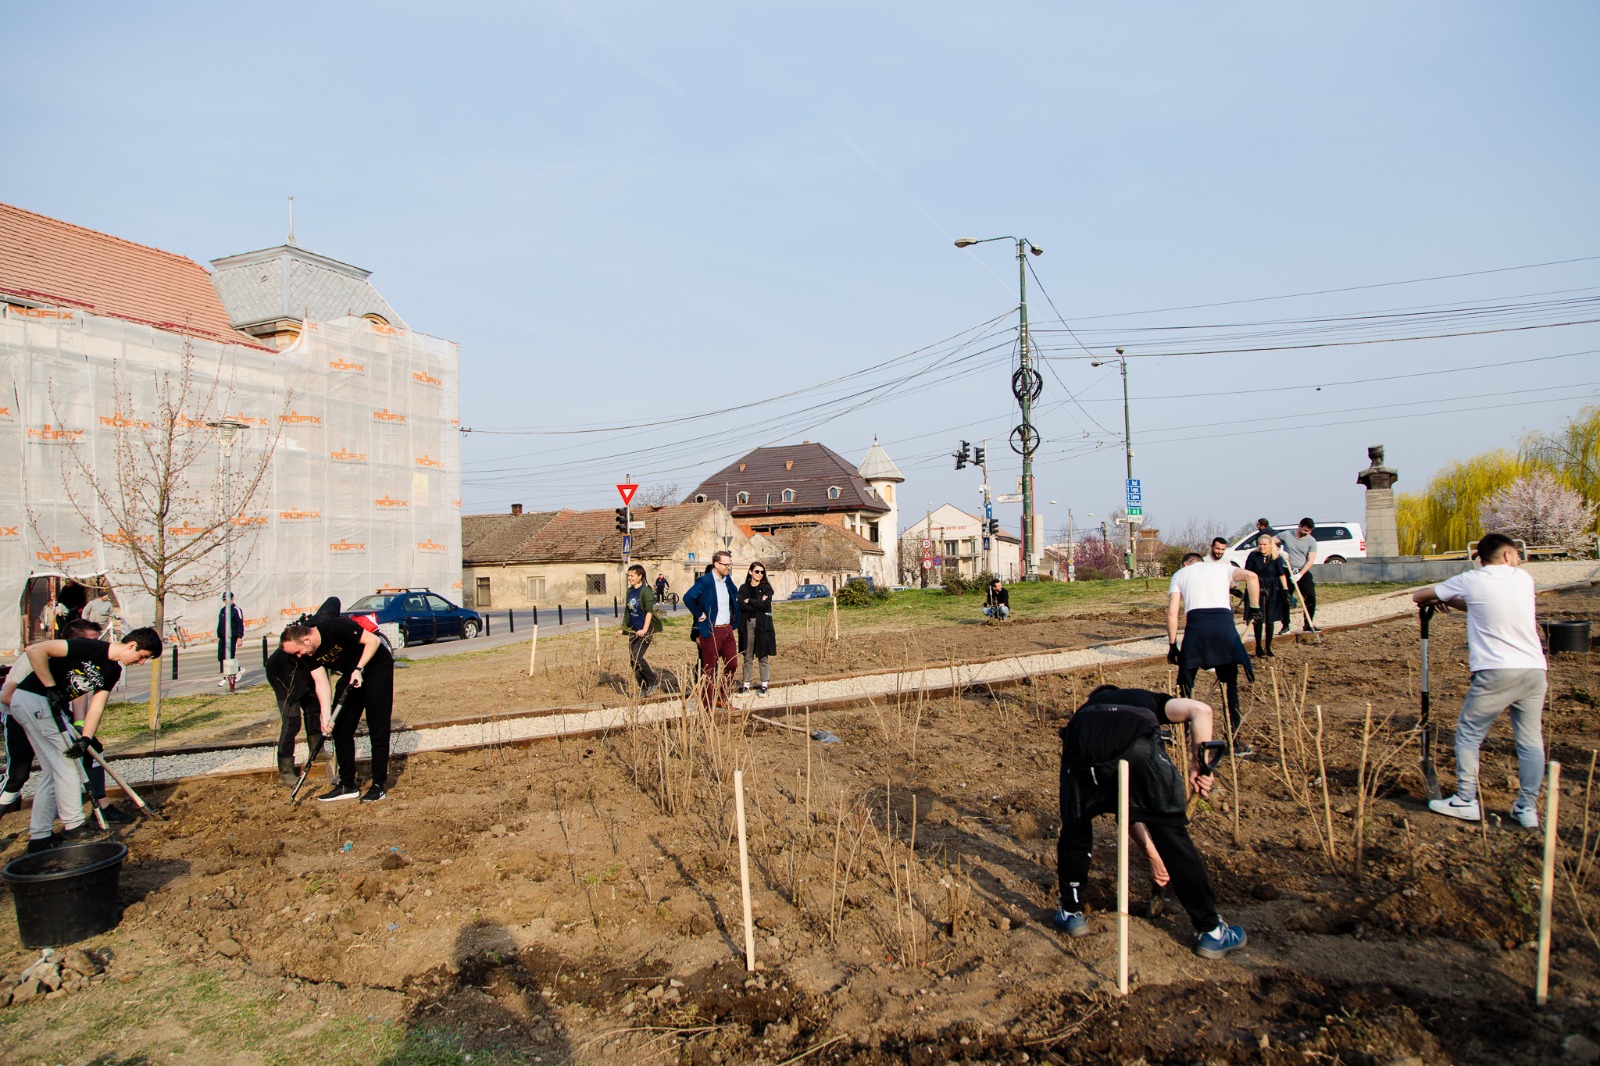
(1131, 519)
(1072, 550)
(988, 510)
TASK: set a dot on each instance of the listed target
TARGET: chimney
(516, 508)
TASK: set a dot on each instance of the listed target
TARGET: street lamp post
(1026, 385)
(227, 429)
(1127, 451)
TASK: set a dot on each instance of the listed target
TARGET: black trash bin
(1568, 635)
(66, 894)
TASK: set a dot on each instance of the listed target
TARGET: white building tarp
(364, 489)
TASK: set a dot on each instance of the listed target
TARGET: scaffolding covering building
(356, 418)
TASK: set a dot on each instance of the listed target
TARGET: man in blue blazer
(713, 603)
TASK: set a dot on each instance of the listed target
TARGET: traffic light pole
(988, 511)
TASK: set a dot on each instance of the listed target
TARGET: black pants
(375, 699)
(1263, 639)
(1228, 674)
(291, 714)
(638, 647)
(19, 761)
(1190, 883)
(1308, 594)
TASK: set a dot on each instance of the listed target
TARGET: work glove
(60, 699)
(1172, 654)
(77, 749)
(1250, 614)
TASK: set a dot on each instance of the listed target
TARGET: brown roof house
(781, 492)
(356, 414)
(540, 559)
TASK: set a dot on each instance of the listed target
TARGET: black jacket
(755, 605)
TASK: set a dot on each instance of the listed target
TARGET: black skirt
(1209, 640)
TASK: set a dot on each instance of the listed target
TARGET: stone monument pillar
(1383, 537)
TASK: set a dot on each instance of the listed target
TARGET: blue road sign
(1133, 484)
(627, 543)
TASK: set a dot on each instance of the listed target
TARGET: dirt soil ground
(579, 901)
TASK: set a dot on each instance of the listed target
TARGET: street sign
(1133, 484)
(1009, 497)
(627, 544)
(635, 525)
(927, 564)
(927, 544)
(1136, 512)
(626, 492)
(985, 543)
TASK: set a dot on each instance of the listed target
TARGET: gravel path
(513, 728)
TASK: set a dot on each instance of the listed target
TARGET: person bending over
(1116, 724)
(366, 669)
(1200, 589)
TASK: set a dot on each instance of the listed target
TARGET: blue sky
(634, 212)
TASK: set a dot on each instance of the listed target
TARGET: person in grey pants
(1508, 673)
(758, 641)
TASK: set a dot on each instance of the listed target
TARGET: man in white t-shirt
(1508, 672)
(1199, 591)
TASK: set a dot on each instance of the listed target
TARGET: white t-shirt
(1204, 584)
(1502, 633)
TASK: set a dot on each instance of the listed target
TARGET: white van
(1336, 542)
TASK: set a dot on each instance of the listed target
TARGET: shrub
(954, 584)
(855, 594)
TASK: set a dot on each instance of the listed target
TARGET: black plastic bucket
(66, 894)
(1569, 635)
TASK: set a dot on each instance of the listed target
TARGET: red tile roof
(578, 536)
(810, 469)
(44, 261)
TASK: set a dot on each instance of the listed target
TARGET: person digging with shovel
(360, 656)
(1116, 724)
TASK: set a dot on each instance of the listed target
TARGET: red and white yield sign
(626, 492)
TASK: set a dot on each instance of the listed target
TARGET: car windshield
(372, 603)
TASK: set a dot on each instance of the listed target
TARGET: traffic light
(622, 519)
(994, 526)
(977, 457)
(961, 455)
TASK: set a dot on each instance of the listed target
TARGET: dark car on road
(810, 592)
(416, 616)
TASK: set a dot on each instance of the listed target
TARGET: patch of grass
(126, 722)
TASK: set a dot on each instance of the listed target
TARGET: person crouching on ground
(1116, 724)
(758, 641)
(713, 603)
(1508, 673)
(1209, 640)
(643, 624)
(997, 603)
(42, 702)
(362, 659)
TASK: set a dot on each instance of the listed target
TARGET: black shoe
(80, 833)
(1241, 750)
(115, 815)
(339, 792)
(8, 808)
(44, 844)
(374, 794)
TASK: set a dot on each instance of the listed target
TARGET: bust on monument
(1377, 476)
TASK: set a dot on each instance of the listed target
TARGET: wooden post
(597, 642)
(1541, 984)
(1122, 877)
(744, 873)
(533, 650)
(835, 598)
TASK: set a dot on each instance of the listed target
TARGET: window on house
(872, 532)
(483, 592)
(833, 492)
(535, 588)
(743, 497)
(594, 584)
(950, 547)
(788, 495)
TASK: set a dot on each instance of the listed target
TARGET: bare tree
(163, 505)
(657, 495)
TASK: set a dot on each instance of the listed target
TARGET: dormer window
(743, 497)
(788, 495)
(833, 492)
(699, 497)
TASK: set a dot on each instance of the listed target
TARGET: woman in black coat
(757, 639)
(1268, 564)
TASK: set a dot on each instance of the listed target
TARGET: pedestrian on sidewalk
(642, 625)
(1508, 673)
(1300, 552)
(758, 641)
(1116, 724)
(713, 603)
(230, 627)
(366, 669)
(1199, 593)
(1272, 573)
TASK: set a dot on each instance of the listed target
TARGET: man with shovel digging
(1116, 724)
(1508, 673)
(341, 646)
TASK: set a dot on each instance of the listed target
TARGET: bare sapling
(1327, 802)
(1361, 794)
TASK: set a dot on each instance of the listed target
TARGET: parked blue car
(810, 592)
(416, 616)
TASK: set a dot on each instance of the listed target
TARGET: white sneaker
(1526, 814)
(222, 682)
(1456, 807)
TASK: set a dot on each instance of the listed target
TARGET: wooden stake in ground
(744, 873)
(1541, 984)
(1122, 877)
(835, 617)
(533, 650)
(597, 642)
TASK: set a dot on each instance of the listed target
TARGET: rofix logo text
(246, 520)
(186, 530)
(385, 501)
(122, 536)
(422, 377)
(297, 515)
(6, 532)
(117, 421)
(39, 312)
(343, 367)
(343, 545)
(249, 420)
(57, 556)
(386, 415)
(54, 434)
(5, 414)
(345, 456)
(295, 418)
(429, 545)
(424, 460)
(295, 610)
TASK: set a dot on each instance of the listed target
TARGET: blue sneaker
(1073, 923)
(1220, 941)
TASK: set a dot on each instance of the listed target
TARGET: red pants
(720, 645)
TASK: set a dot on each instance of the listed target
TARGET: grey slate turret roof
(877, 466)
(287, 282)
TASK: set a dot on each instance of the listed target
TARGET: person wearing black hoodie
(757, 639)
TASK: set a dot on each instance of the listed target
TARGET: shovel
(1429, 776)
(822, 736)
(314, 747)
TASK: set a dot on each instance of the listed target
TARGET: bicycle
(172, 632)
